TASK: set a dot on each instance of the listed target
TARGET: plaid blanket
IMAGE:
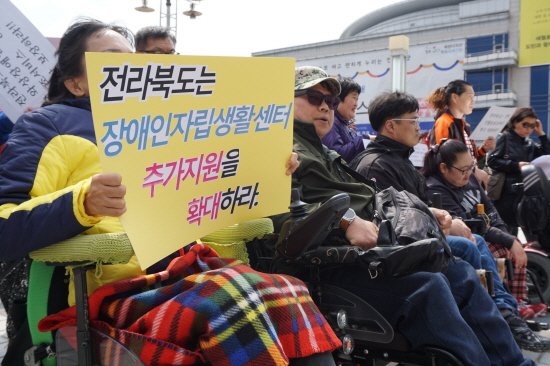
(518, 286)
(217, 310)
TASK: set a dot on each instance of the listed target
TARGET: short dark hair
(388, 105)
(520, 115)
(154, 32)
(70, 52)
(348, 86)
(445, 152)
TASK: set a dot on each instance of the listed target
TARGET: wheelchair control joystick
(297, 212)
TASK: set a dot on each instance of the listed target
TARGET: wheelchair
(366, 336)
(533, 216)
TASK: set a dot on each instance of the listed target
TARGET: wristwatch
(347, 219)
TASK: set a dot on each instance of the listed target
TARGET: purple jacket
(339, 139)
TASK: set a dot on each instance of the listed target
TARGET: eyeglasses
(465, 171)
(315, 97)
(158, 52)
(529, 125)
(416, 120)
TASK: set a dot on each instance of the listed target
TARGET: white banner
(417, 157)
(429, 66)
(492, 123)
(26, 60)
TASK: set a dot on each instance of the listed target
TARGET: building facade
(475, 40)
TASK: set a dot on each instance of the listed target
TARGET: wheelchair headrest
(535, 182)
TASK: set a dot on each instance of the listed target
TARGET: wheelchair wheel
(540, 266)
(107, 350)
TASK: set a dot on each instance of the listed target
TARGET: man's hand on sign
(292, 164)
(489, 144)
(105, 197)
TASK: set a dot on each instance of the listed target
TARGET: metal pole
(168, 4)
(399, 48)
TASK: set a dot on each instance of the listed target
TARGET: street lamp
(192, 13)
(144, 8)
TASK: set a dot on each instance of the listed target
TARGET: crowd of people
(50, 177)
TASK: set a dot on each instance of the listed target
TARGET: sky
(226, 28)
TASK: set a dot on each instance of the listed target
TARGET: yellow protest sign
(534, 33)
(200, 142)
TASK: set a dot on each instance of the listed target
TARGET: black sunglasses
(158, 52)
(528, 125)
(315, 97)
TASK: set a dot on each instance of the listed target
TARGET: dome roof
(393, 11)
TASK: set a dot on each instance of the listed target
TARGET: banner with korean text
(26, 61)
(429, 66)
(534, 33)
(200, 142)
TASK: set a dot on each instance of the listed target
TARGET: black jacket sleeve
(496, 159)
(498, 232)
(544, 147)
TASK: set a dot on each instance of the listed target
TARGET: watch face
(350, 214)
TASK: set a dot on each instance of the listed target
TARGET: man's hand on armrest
(105, 197)
(363, 234)
(444, 218)
(459, 228)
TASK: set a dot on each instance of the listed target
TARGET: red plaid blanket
(221, 311)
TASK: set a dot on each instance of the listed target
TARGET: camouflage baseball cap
(308, 76)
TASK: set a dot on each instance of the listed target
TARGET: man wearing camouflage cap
(453, 311)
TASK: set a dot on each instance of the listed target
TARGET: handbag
(497, 179)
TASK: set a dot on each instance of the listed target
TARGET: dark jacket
(6, 126)
(463, 201)
(340, 140)
(519, 149)
(321, 175)
(387, 162)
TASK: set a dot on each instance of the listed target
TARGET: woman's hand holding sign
(105, 197)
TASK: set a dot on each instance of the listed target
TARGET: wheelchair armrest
(477, 226)
(308, 233)
(113, 248)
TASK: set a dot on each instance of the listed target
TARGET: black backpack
(412, 222)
